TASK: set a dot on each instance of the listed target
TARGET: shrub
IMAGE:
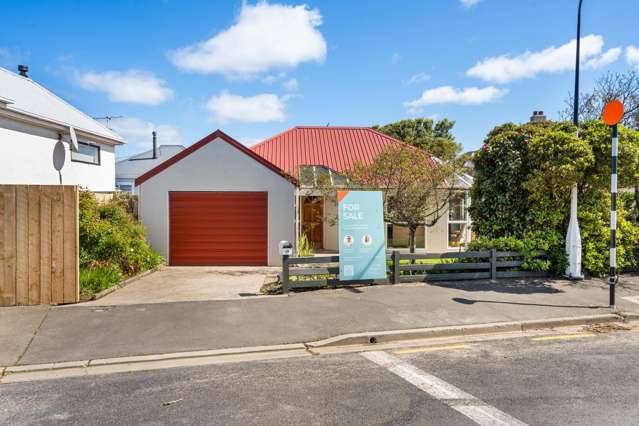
(304, 248)
(549, 241)
(94, 280)
(111, 238)
(522, 187)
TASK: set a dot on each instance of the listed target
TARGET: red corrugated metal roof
(338, 148)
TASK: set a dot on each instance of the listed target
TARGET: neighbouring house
(307, 152)
(129, 169)
(44, 140)
(217, 203)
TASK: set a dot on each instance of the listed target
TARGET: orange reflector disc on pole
(612, 112)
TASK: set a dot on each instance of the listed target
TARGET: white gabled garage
(217, 203)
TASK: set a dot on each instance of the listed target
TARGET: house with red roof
(307, 152)
(220, 203)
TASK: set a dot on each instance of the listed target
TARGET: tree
(612, 85)
(622, 86)
(424, 133)
(522, 187)
(416, 186)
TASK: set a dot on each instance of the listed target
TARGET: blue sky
(254, 69)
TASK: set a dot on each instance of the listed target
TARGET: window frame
(99, 148)
(466, 203)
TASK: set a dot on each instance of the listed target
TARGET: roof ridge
(333, 127)
(204, 141)
(53, 95)
(388, 136)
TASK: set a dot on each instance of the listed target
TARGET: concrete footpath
(35, 335)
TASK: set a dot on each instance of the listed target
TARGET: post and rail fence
(321, 271)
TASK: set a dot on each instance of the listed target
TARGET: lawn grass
(94, 280)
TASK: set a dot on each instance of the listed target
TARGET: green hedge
(549, 241)
(112, 243)
(521, 191)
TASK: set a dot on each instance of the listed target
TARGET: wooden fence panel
(57, 248)
(33, 261)
(71, 273)
(8, 253)
(22, 245)
(45, 247)
(483, 265)
(39, 245)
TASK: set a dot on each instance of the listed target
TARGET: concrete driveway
(182, 284)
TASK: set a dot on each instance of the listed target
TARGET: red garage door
(218, 228)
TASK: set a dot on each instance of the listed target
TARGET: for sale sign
(362, 248)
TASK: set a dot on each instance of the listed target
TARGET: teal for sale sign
(362, 247)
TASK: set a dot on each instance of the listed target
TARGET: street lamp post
(573, 236)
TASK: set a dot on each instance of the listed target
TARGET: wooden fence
(407, 267)
(467, 265)
(39, 261)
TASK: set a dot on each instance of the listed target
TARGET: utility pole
(573, 236)
(575, 110)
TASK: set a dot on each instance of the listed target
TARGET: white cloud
(137, 132)
(132, 86)
(469, 3)
(606, 58)
(505, 68)
(417, 78)
(632, 55)
(265, 36)
(261, 108)
(291, 85)
(451, 95)
(274, 78)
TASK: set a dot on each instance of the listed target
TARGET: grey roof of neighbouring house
(138, 164)
(25, 96)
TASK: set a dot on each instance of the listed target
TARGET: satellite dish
(59, 156)
(73, 138)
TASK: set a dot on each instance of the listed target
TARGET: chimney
(537, 116)
(23, 70)
(155, 145)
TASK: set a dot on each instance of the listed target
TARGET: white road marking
(473, 408)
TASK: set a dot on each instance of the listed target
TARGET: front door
(312, 220)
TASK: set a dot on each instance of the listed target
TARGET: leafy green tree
(416, 187)
(434, 137)
(522, 187)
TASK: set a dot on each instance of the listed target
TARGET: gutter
(57, 126)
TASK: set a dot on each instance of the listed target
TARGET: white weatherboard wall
(26, 157)
(218, 166)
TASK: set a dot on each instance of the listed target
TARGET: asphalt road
(588, 379)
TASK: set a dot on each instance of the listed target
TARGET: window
(458, 221)
(312, 176)
(87, 153)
